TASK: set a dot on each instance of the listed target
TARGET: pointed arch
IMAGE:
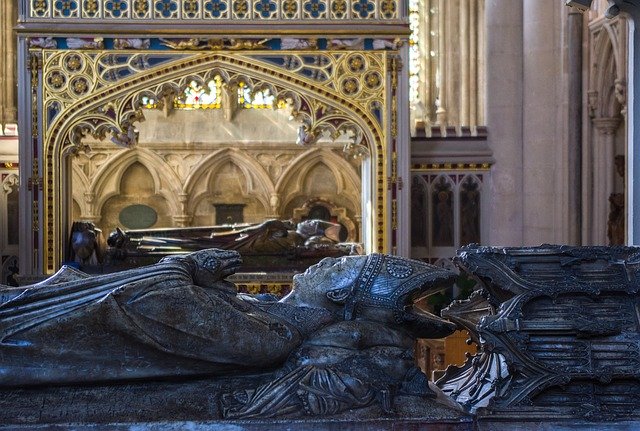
(326, 106)
(442, 199)
(469, 208)
(419, 211)
(107, 180)
(347, 181)
(259, 184)
(605, 71)
(342, 170)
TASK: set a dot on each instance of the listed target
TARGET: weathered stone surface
(189, 402)
(560, 338)
(175, 341)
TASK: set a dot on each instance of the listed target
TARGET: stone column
(403, 185)
(574, 125)
(465, 61)
(503, 20)
(604, 148)
(473, 55)
(632, 8)
(441, 111)
(426, 62)
(545, 149)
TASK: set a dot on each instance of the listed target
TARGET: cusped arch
(259, 184)
(342, 170)
(605, 72)
(474, 178)
(110, 174)
(128, 88)
(92, 114)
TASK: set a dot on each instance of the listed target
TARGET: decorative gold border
(417, 167)
(60, 134)
(145, 11)
(274, 288)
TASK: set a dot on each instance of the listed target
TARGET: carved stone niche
(558, 333)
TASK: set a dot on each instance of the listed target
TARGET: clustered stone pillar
(604, 148)
(504, 22)
(574, 124)
(452, 73)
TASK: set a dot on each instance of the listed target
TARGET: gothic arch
(332, 105)
(603, 140)
(607, 73)
(259, 184)
(346, 180)
(107, 180)
(473, 178)
(342, 170)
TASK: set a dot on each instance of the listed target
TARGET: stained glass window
(198, 96)
(258, 100)
(209, 96)
(149, 102)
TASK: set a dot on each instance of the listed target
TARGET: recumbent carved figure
(341, 339)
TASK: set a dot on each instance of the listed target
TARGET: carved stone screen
(446, 212)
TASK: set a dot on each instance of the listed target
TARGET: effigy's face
(310, 288)
(309, 228)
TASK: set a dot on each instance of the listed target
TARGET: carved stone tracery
(606, 104)
(105, 100)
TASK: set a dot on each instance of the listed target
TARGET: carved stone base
(519, 425)
(368, 425)
(170, 405)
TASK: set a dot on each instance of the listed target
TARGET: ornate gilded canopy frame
(79, 86)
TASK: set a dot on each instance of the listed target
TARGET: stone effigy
(558, 333)
(340, 341)
(267, 246)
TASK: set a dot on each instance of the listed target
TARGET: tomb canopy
(93, 71)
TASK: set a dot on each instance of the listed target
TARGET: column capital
(607, 125)
(182, 220)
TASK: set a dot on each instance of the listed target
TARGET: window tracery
(446, 212)
(209, 96)
(199, 96)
